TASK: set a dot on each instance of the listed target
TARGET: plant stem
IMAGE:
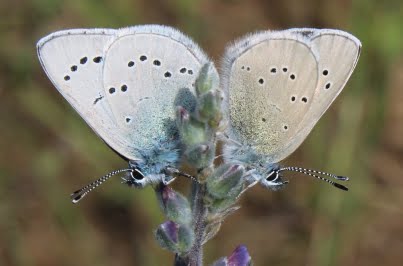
(199, 224)
(179, 261)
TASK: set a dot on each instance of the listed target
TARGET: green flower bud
(177, 238)
(200, 155)
(207, 80)
(225, 182)
(209, 108)
(185, 238)
(217, 206)
(191, 131)
(175, 206)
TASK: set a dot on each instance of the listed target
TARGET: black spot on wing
(98, 99)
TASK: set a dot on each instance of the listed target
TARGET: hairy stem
(199, 224)
(195, 255)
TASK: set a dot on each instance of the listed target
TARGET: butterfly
(277, 84)
(126, 84)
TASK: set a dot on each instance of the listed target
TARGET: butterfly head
(151, 166)
(142, 175)
(271, 177)
(260, 168)
(135, 178)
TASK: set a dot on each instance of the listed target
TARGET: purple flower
(171, 230)
(239, 257)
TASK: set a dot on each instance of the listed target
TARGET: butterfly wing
(274, 85)
(157, 67)
(338, 54)
(85, 64)
(73, 61)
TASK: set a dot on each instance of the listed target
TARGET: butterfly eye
(136, 174)
(272, 176)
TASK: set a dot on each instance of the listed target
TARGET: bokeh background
(47, 151)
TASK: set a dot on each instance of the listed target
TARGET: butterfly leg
(250, 180)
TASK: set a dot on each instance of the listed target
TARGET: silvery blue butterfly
(125, 84)
(277, 84)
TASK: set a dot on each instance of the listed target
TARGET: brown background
(47, 151)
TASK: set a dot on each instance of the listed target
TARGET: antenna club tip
(340, 186)
(76, 198)
(75, 192)
(343, 178)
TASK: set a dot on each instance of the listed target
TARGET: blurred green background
(47, 151)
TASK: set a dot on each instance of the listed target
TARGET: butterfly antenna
(317, 174)
(187, 176)
(174, 171)
(76, 196)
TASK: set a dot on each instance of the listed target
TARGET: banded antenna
(76, 196)
(317, 174)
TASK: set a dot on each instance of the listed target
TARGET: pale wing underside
(276, 88)
(338, 54)
(73, 61)
(80, 63)
(156, 73)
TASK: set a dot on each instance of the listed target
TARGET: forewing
(85, 64)
(148, 71)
